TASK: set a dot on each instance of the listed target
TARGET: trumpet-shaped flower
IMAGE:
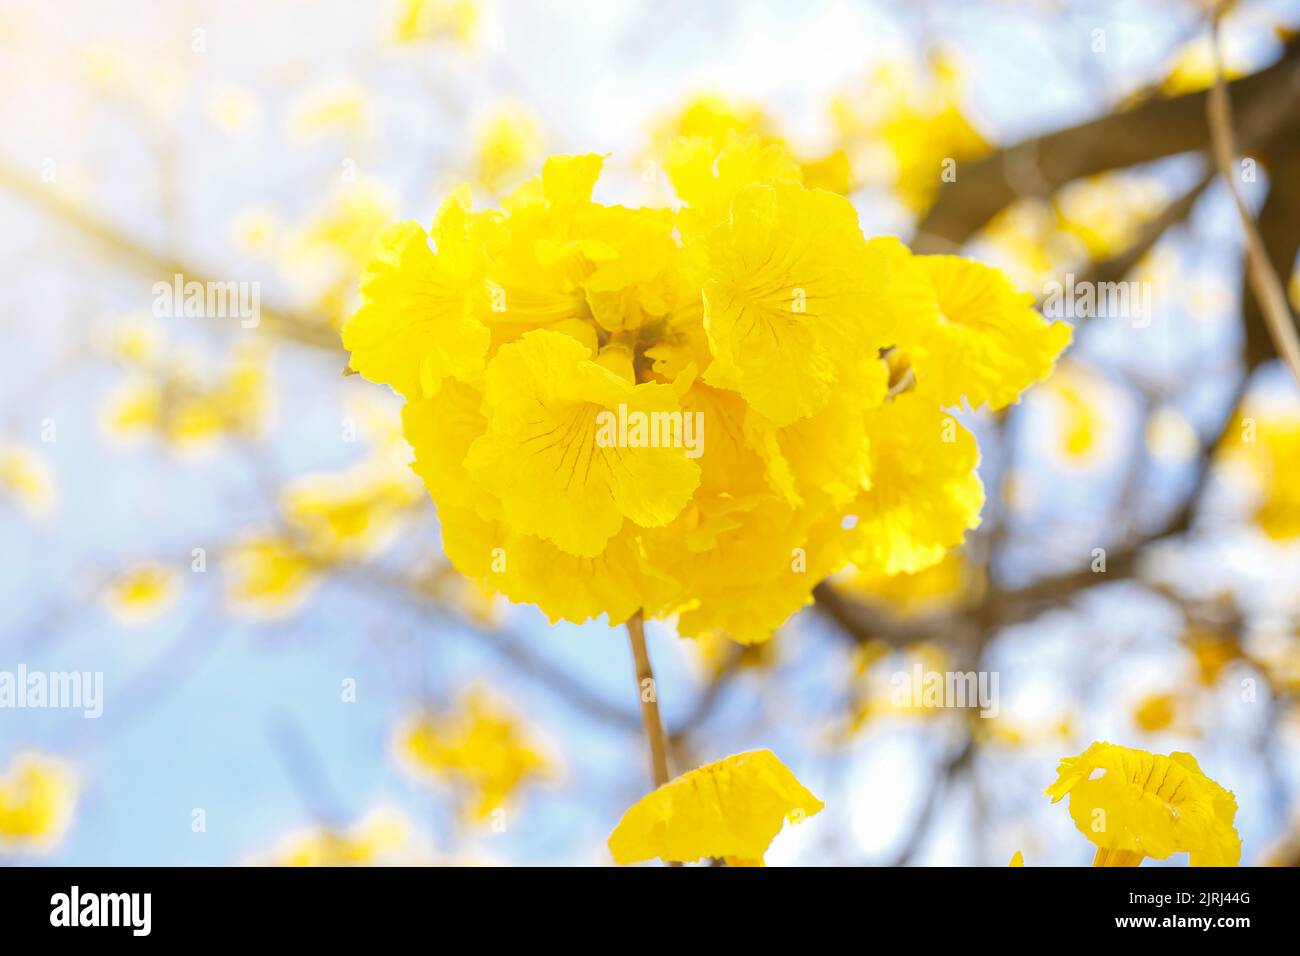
(1134, 804)
(983, 341)
(420, 322)
(543, 454)
(731, 809)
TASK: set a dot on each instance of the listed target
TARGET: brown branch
(128, 251)
(1269, 291)
(1153, 130)
(648, 693)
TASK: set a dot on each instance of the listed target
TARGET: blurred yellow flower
(1134, 804)
(352, 514)
(169, 401)
(421, 20)
(1212, 652)
(37, 796)
(507, 140)
(27, 479)
(383, 837)
(1268, 443)
(142, 593)
(731, 809)
(1017, 859)
(711, 120)
(336, 108)
(479, 746)
(914, 114)
(1156, 712)
(1106, 212)
(941, 586)
(268, 575)
(232, 108)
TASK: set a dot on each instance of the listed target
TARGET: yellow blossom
(985, 342)
(507, 139)
(1134, 804)
(420, 20)
(731, 809)
(553, 355)
(1156, 712)
(480, 746)
(383, 837)
(268, 575)
(28, 480)
(547, 457)
(37, 796)
(418, 324)
(232, 108)
(337, 107)
(1266, 440)
(142, 592)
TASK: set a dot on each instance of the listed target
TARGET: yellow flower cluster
(783, 381)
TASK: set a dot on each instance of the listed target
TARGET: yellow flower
(1083, 405)
(788, 305)
(507, 138)
(541, 348)
(383, 837)
(340, 106)
(984, 341)
(909, 124)
(37, 796)
(1275, 456)
(1156, 712)
(418, 324)
(550, 453)
(712, 121)
(171, 402)
(731, 809)
(1017, 859)
(708, 174)
(142, 593)
(232, 108)
(27, 478)
(480, 746)
(1134, 804)
(938, 587)
(352, 514)
(420, 20)
(924, 493)
(268, 575)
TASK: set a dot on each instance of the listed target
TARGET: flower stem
(648, 692)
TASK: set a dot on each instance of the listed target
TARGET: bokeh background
(222, 523)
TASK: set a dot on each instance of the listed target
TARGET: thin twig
(648, 692)
(1268, 288)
